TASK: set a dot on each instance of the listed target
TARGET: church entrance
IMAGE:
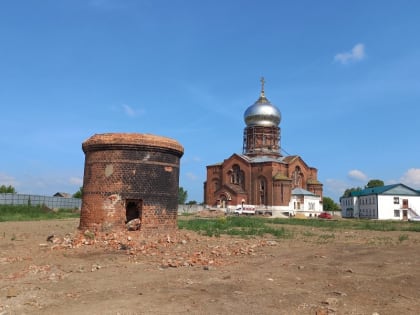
(224, 199)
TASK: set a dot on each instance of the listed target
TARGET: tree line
(7, 189)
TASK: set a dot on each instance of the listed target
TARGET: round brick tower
(130, 176)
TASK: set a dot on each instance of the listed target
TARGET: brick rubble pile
(177, 249)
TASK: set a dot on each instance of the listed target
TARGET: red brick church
(261, 175)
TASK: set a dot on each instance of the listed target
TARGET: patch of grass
(246, 226)
(308, 233)
(381, 241)
(187, 214)
(240, 226)
(326, 236)
(353, 224)
(34, 213)
(402, 237)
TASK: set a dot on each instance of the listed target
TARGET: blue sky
(344, 74)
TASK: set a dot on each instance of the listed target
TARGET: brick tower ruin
(130, 176)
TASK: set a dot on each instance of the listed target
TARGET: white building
(305, 202)
(391, 202)
(302, 202)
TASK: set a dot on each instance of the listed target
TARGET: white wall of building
(349, 207)
(308, 205)
(391, 209)
(382, 207)
(367, 207)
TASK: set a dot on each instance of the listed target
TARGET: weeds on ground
(324, 238)
(353, 224)
(239, 226)
(308, 234)
(34, 213)
(381, 241)
(187, 214)
(246, 226)
(402, 237)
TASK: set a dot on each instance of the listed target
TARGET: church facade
(261, 175)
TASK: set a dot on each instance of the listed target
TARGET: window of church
(216, 184)
(236, 175)
(281, 193)
(262, 191)
(297, 177)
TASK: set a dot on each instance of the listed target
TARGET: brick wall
(123, 169)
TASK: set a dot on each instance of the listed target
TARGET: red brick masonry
(129, 176)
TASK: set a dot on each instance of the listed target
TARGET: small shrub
(403, 237)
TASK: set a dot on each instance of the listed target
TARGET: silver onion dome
(262, 112)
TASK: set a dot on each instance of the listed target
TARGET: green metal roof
(394, 189)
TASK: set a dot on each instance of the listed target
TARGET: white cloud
(357, 175)
(357, 53)
(411, 177)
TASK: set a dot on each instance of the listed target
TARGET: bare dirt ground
(316, 271)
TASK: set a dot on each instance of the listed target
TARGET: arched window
(216, 185)
(262, 190)
(236, 175)
(297, 177)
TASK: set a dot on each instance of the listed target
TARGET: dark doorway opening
(133, 210)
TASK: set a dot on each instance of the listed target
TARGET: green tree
(191, 202)
(7, 189)
(375, 183)
(182, 196)
(329, 204)
(372, 183)
(348, 191)
(79, 193)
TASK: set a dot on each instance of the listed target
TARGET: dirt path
(315, 272)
